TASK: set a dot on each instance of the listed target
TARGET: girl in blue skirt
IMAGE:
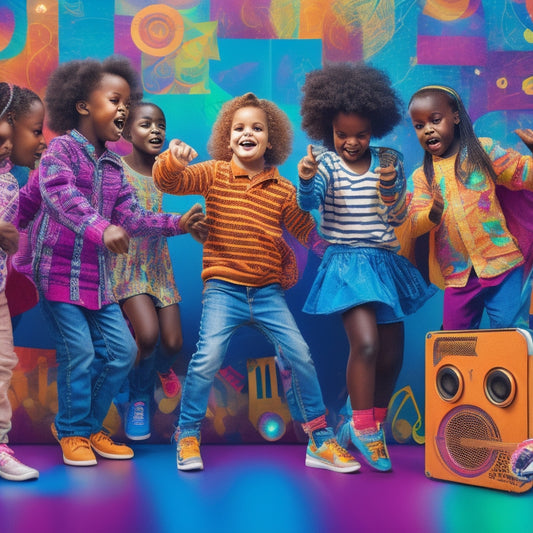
(359, 191)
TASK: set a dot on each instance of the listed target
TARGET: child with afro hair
(245, 267)
(359, 190)
(89, 211)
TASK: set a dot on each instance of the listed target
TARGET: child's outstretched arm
(183, 153)
(313, 179)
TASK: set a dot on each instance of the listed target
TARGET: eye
(162, 126)
(418, 126)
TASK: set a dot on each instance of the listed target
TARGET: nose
(428, 128)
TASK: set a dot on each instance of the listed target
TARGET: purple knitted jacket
(81, 197)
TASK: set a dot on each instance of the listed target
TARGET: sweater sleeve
(172, 177)
(139, 222)
(65, 202)
(297, 221)
(417, 222)
(513, 170)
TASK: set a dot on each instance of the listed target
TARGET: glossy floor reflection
(249, 489)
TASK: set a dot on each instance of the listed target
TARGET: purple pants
(505, 305)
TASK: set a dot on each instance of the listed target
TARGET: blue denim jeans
(226, 307)
(95, 352)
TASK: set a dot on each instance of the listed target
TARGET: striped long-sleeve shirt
(246, 219)
(351, 208)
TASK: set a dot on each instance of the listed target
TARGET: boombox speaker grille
(467, 441)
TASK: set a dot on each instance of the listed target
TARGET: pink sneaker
(170, 383)
(12, 469)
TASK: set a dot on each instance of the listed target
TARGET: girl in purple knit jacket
(88, 211)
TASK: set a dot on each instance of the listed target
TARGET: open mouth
(432, 142)
(119, 123)
(247, 144)
(156, 140)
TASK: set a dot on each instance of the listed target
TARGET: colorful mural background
(195, 54)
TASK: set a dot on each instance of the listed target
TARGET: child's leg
(507, 306)
(116, 360)
(171, 342)
(362, 332)
(304, 396)
(388, 366)
(75, 356)
(8, 361)
(225, 308)
(463, 306)
(363, 387)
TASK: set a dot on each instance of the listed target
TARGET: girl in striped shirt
(359, 191)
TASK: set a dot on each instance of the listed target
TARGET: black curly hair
(279, 130)
(7, 93)
(348, 88)
(75, 80)
(22, 100)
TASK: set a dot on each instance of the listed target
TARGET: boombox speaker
(479, 395)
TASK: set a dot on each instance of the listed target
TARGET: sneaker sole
(70, 462)
(106, 455)
(313, 462)
(199, 465)
(138, 437)
(24, 477)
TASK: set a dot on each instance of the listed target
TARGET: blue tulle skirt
(349, 276)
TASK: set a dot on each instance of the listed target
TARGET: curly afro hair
(279, 130)
(348, 88)
(73, 81)
(7, 93)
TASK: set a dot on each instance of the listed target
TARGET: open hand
(181, 151)
(308, 166)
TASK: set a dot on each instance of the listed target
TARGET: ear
(81, 107)
(456, 118)
(269, 146)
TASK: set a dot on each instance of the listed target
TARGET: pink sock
(380, 414)
(364, 419)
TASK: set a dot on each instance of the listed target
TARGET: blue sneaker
(371, 444)
(138, 421)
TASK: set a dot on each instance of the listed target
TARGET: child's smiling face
(249, 137)
(351, 138)
(147, 128)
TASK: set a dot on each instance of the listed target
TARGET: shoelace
(5, 449)
(188, 447)
(79, 442)
(377, 449)
(338, 449)
(138, 415)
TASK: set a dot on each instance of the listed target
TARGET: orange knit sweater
(246, 218)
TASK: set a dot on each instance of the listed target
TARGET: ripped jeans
(226, 307)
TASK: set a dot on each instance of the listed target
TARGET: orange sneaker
(104, 446)
(77, 451)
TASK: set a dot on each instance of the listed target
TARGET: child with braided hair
(359, 190)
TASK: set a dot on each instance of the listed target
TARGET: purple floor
(249, 489)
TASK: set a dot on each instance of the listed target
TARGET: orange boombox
(479, 395)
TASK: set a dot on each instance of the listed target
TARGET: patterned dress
(146, 268)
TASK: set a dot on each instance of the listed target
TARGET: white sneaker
(12, 469)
